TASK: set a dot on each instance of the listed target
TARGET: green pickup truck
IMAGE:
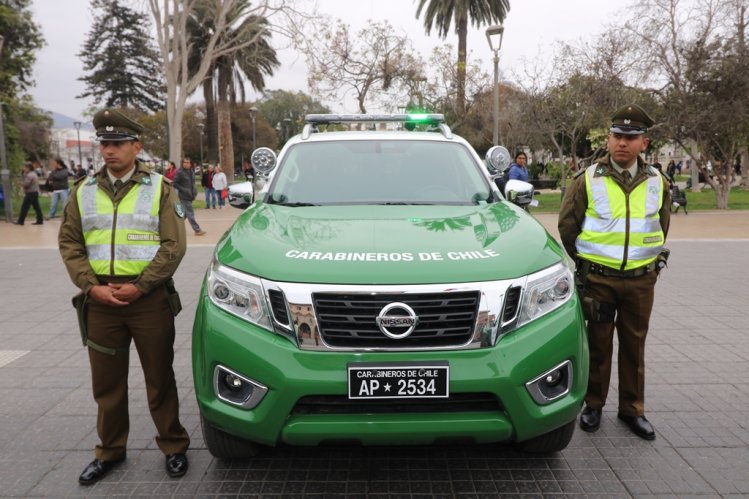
(381, 290)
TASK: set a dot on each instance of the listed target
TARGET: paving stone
(697, 357)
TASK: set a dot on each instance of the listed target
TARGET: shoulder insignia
(179, 209)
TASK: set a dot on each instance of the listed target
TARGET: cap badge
(109, 128)
(627, 122)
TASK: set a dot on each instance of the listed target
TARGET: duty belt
(587, 267)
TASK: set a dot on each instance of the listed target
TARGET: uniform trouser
(150, 324)
(633, 298)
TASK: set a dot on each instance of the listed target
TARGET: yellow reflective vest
(121, 237)
(621, 230)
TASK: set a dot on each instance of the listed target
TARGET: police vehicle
(381, 290)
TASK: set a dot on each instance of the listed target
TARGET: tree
(693, 56)
(122, 69)
(226, 79)
(175, 45)
(367, 64)
(442, 13)
(279, 105)
(20, 39)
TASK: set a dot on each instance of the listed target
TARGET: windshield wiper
(297, 204)
(402, 203)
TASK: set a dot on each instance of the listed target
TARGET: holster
(593, 310)
(80, 302)
(175, 304)
(596, 311)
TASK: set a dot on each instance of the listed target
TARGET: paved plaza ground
(697, 397)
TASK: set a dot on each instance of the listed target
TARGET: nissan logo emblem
(397, 320)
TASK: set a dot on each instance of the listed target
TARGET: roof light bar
(319, 119)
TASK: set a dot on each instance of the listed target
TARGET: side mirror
(241, 195)
(497, 160)
(520, 193)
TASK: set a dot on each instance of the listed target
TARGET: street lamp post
(495, 32)
(77, 125)
(200, 128)
(253, 113)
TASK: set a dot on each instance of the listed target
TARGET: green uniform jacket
(575, 203)
(171, 231)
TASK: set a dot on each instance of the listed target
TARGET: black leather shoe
(96, 470)
(17, 223)
(38, 223)
(176, 465)
(639, 425)
(590, 419)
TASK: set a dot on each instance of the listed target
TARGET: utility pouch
(172, 296)
(596, 311)
(80, 302)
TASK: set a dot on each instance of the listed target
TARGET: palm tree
(441, 14)
(252, 63)
(225, 81)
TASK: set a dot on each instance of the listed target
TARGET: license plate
(376, 380)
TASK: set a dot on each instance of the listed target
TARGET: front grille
(278, 305)
(457, 402)
(348, 320)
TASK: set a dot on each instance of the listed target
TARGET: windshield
(378, 172)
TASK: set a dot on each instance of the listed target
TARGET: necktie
(117, 185)
(627, 177)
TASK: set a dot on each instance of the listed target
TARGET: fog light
(233, 382)
(551, 385)
(235, 389)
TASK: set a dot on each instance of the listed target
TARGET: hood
(387, 244)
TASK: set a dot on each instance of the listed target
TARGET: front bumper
(291, 374)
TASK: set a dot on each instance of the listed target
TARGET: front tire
(554, 441)
(225, 446)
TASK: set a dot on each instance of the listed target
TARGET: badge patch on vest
(652, 239)
(143, 237)
(180, 210)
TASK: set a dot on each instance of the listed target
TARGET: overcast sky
(531, 29)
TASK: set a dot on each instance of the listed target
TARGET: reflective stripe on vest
(615, 222)
(122, 238)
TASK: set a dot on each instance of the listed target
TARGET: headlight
(546, 291)
(239, 294)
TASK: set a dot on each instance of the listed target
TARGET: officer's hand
(105, 295)
(126, 292)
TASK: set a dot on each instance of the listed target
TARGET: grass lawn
(549, 202)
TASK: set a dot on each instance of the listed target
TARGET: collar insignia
(145, 181)
(600, 170)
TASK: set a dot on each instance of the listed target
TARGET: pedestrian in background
(518, 171)
(121, 239)
(30, 184)
(614, 220)
(206, 181)
(184, 183)
(171, 170)
(220, 185)
(58, 182)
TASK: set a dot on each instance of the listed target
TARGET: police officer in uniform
(614, 220)
(121, 239)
